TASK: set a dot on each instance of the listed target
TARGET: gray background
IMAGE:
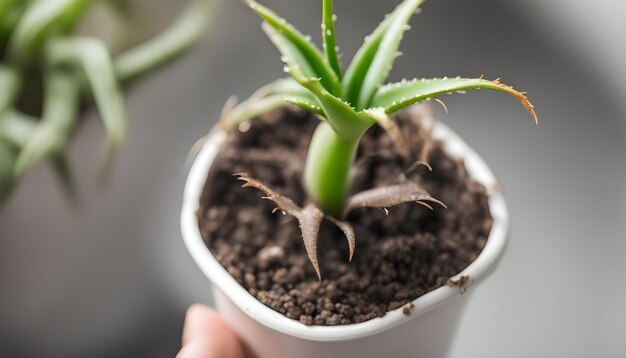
(112, 278)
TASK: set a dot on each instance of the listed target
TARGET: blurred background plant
(58, 57)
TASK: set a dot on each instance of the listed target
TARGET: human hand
(206, 335)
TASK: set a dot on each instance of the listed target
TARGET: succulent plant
(39, 47)
(349, 103)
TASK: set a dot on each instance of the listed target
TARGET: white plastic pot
(426, 332)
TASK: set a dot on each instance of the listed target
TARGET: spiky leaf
(353, 79)
(387, 51)
(348, 231)
(296, 49)
(293, 92)
(388, 196)
(372, 63)
(339, 114)
(395, 96)
(272, 96)
(310, 103)
(309, 218)
(328, 36)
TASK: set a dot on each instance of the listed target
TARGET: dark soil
(398, 257)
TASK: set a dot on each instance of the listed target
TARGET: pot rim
(476, 271)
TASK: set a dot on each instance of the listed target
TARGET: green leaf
(37, 23)
(180, 36)
(395, 96)
(9, 17)
(291, 55)
(340, 115)
(282, 86)
(308, 102)
(328, 36)
(60, 112)
(94, 59)
(269, 97)
(372, 63)
(5, 7)
(353, 80)
(9, 86)
(294, 93)
(16, 127)
(300, 51)
(73, 15)
(249, 109)
(387, 51)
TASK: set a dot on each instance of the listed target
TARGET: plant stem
(327, 169)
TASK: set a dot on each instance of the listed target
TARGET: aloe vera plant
(349, 103)
(39, 43)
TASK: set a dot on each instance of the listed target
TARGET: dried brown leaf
(285, 204)
(309, 218)
(348, 231)
(388, 196)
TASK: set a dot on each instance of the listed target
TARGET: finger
(206, 335)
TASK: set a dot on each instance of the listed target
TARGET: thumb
(206, 335)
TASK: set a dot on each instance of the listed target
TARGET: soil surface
(398, 257)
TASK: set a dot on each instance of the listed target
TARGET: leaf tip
(431, 199)
(520, 96)
(348, 231)
(250, 3)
